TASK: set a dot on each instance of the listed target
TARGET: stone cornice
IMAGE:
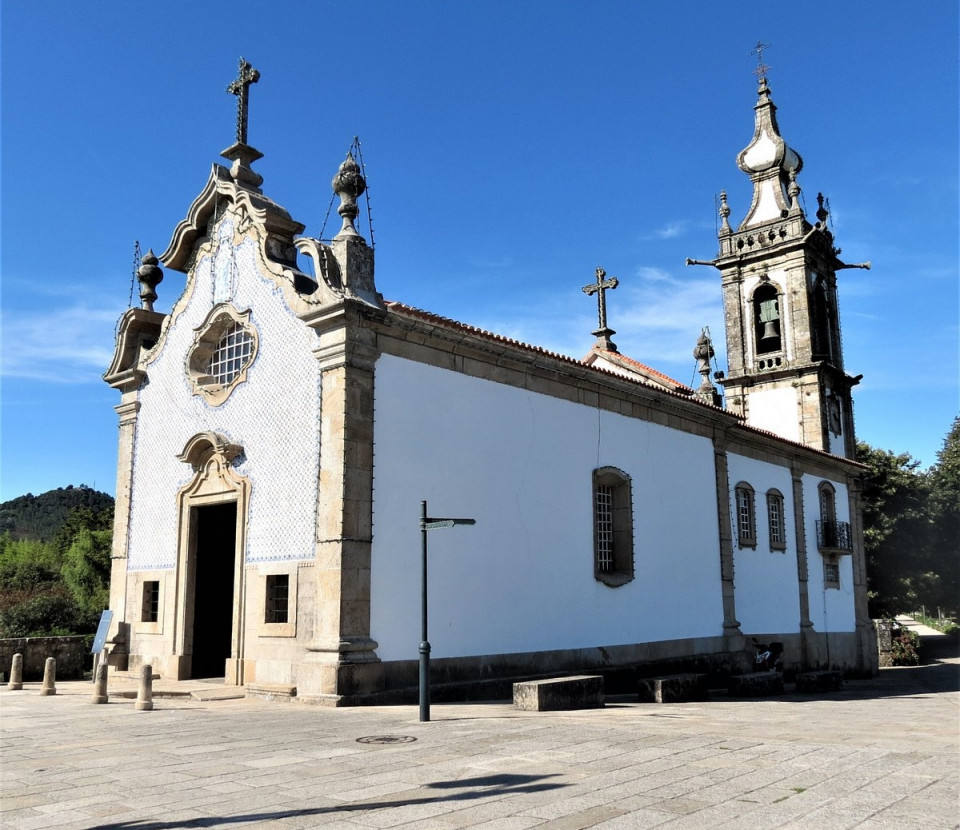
(137, 328)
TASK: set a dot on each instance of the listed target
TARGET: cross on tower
(599, 288)
(762, 68)
(246, 75)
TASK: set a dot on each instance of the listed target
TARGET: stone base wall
(491, 677)
(71, 654)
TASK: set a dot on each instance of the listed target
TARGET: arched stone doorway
(212, 510)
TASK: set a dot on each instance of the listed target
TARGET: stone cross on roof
(762, 68)
(599, 288)
(246, 75)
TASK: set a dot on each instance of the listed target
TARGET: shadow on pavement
(487, 786)
(939, 672)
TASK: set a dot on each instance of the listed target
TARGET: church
(281, 428)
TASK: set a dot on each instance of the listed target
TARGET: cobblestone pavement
(882, 753)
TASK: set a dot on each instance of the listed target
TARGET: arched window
(746, 515)
(612, 526)
(822, 339)
(766, 318)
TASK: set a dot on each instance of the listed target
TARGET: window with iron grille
(831, 572)
(775, 520)
(277, 606)
(604, 527)
(746, 517)
(223, 349)
(231, 354)
(612, 526)
(150, 609)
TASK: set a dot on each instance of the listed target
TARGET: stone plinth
(819, 681)
(559, 693)
(760, 684)
(673, 688)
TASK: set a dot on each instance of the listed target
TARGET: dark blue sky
(510, 147)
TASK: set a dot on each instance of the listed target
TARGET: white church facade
(278, 432)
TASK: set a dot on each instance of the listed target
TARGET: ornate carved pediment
(220, 191)
(205, 445)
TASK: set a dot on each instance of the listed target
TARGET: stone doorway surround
(214, 483)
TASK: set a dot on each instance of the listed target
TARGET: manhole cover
(386, 739)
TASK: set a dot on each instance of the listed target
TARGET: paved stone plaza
(882, 753)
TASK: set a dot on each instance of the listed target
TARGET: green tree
(897, 521)
(86, 569)
(60, 586)
(945, 536)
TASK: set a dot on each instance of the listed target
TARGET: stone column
(731, 626)
(127, 412)
(808, 640)
(342, 664)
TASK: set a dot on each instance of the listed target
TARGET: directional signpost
(426, 524)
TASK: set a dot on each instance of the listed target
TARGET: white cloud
(669, 231)
(70, 345)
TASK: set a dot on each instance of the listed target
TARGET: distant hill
(40, 517)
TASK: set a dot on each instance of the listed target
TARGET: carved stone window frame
(615, 567)
(767, 290)
(745, 515)
(221, 318)
(831, 571)
(261, 600)
(776, 521)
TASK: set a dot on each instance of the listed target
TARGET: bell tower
(779, 278)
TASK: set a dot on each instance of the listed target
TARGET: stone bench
(819, 681)
(559, 693)
(759, 684)
(673, 688)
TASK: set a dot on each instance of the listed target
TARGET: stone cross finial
(246, 75)
(762, 68)
(599, 288)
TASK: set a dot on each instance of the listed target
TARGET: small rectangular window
(278, 598)
(150, 609)
(831, 572)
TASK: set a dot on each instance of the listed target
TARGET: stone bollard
(145, 692)
(49, 685)
(16, 673)
(100, 685)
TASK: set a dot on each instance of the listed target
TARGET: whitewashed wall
(274, 414)
(521, 464)
(831, 609)
(766, 584)
(777, 411)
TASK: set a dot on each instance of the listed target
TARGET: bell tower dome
(779, 278)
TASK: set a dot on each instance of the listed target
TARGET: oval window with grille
(224, 348)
